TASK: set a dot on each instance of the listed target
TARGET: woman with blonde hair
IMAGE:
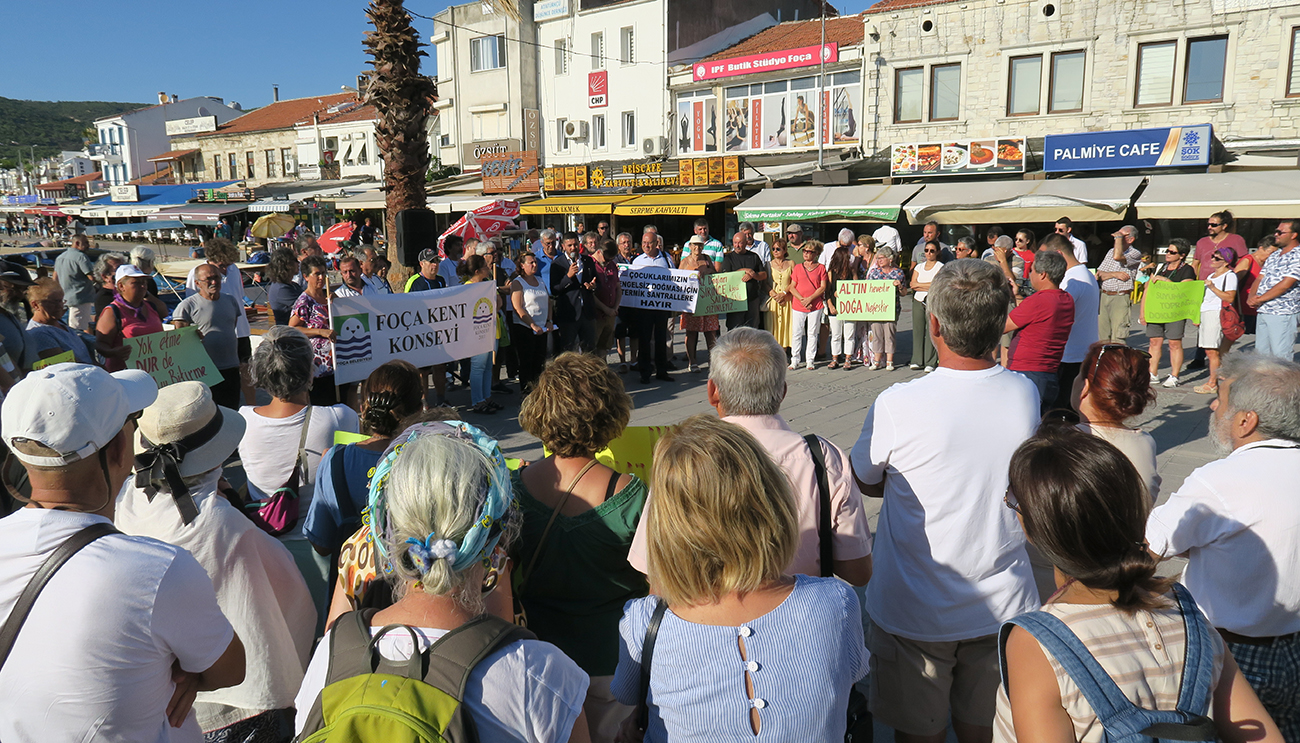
(579, 518)
(777, 318)
(443, 518)
(728, 619)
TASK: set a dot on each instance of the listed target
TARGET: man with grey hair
(746, 386)
(1238, 522)
(1042, 326)
(1117, 271)
(843, 240)
(757, 247)
(950, 558)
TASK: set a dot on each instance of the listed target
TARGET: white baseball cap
(127, 270)
(74, 409)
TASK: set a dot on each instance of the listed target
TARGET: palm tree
(403, 97)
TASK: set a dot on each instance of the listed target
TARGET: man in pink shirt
(746, 386)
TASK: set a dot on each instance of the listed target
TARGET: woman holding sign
(127, 316)
(884, 333)
(693, 324)
(842, 333)
(1175, 268)
(311, 315)
(1220, 291)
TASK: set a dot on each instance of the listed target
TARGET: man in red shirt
(1042, 323)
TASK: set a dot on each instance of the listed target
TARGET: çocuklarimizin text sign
(865, 301)
(1171, 301)
(721, 293)
(1162, 147)
(424, 328)
(173, 356)
(653, 288)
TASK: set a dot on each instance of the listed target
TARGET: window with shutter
(1155, 74)
(627, 52)
(1023, 85)
(561, 56)
(598, 51)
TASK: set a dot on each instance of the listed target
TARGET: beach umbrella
(486, 221)
(275, 224)
(329, 241)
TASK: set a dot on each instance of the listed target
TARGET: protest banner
(866, 301)
(721, 293)
(173, 356)
(424, 328)
(653, 288)
(633, 452)
(57, 358)
(1171, 301)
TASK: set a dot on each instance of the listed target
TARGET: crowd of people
(417, 580)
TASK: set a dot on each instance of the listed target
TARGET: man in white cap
(127, 630)
(181, 443)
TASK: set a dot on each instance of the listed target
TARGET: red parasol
(484, 222)
(329, 242)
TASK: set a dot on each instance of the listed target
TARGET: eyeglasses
(1282, 232)
(1216, 257)
(1009, 499)
(1214, 224)
(1172, 252)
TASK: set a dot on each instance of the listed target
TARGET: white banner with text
(653, 288)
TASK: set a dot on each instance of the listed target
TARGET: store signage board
(958, 157)
(708, 171)
(1161, 147)
(598, 89)
(510, 172)
(196, 125)
(532, 129)
(472, 153)
(545, 10)
(124, 193)
(786, 59)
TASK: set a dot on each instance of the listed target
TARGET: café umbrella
(329, 241)
(486, 221)
(275, 224)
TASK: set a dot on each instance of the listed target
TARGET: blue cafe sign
(1164, 147)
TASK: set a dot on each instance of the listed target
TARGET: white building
(73, 164)
(487, 79)
(127, 140)
(342, 135)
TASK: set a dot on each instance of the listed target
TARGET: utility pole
(823, 119)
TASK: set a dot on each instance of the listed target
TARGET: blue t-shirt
(325, 525)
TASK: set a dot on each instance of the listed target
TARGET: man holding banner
(214, 314)
(741, 258)
(651, 325)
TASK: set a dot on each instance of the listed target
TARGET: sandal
(848, 365)
(834, 365)
(1206, 389)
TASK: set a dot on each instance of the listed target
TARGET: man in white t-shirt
(223, 254)
(1082, 285)
(746, 386)
(128, 630)
(950, 560)
(843, 240)
(757, 247)
(887, 236)
(1065, 228)
(1238, 522)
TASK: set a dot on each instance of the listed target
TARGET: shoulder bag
(278, 515)
(859, 727)
(517, 585)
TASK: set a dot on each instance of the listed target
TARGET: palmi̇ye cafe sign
(622, 175)
(786, 59)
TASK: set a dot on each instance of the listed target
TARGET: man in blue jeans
(1042, 325)
(1277, 295)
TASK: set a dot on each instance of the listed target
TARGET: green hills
(52, 126)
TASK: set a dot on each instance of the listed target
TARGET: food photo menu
(1001, 155)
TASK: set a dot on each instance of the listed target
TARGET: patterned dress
(777, 317)
(317, 315)
(695, 323)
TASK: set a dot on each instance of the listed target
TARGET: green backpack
(370, 698)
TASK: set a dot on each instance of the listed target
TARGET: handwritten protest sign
(424, 328)
(654, 288)
(173, 356)
(865, 301)
(721, 293)
(57, 358)
(633, 452)
(1171, 301)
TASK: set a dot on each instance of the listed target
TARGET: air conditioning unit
(575, 129)
(654, 145)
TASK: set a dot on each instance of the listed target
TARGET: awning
(670, 203)
(199, 214)
(375, 199)
(270, 205)
(1272, 194)
(596, 203)
(870, 203)
(173, 155)
(111, 229)
(997, 202)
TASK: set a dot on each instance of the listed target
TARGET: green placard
(1171, 301)
(866, 301)
(173, 356)
(343, 437)
(57, 358)
(721, 293)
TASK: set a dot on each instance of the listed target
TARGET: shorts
(1168, 330)
(244, 347)
(915, 684)
(1211, 333)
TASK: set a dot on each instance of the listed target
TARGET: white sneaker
(793, 367)
(1171, 381)
(915, 367)
(809, 366)
(929, 369)
(890, 367)
(1155, 378)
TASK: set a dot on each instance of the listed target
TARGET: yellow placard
(57, 358)
(633, 452)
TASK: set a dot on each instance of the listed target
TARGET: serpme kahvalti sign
(1163, 147)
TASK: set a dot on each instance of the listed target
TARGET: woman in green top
(571, 571)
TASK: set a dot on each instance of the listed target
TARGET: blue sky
(74, 50)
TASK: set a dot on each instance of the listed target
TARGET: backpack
(370, 698)
(1123, 721)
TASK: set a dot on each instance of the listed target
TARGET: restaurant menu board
(962, 157)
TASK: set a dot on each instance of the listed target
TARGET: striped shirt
(803, 657)
(1143, 653)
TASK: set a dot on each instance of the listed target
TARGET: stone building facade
(986, 68)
